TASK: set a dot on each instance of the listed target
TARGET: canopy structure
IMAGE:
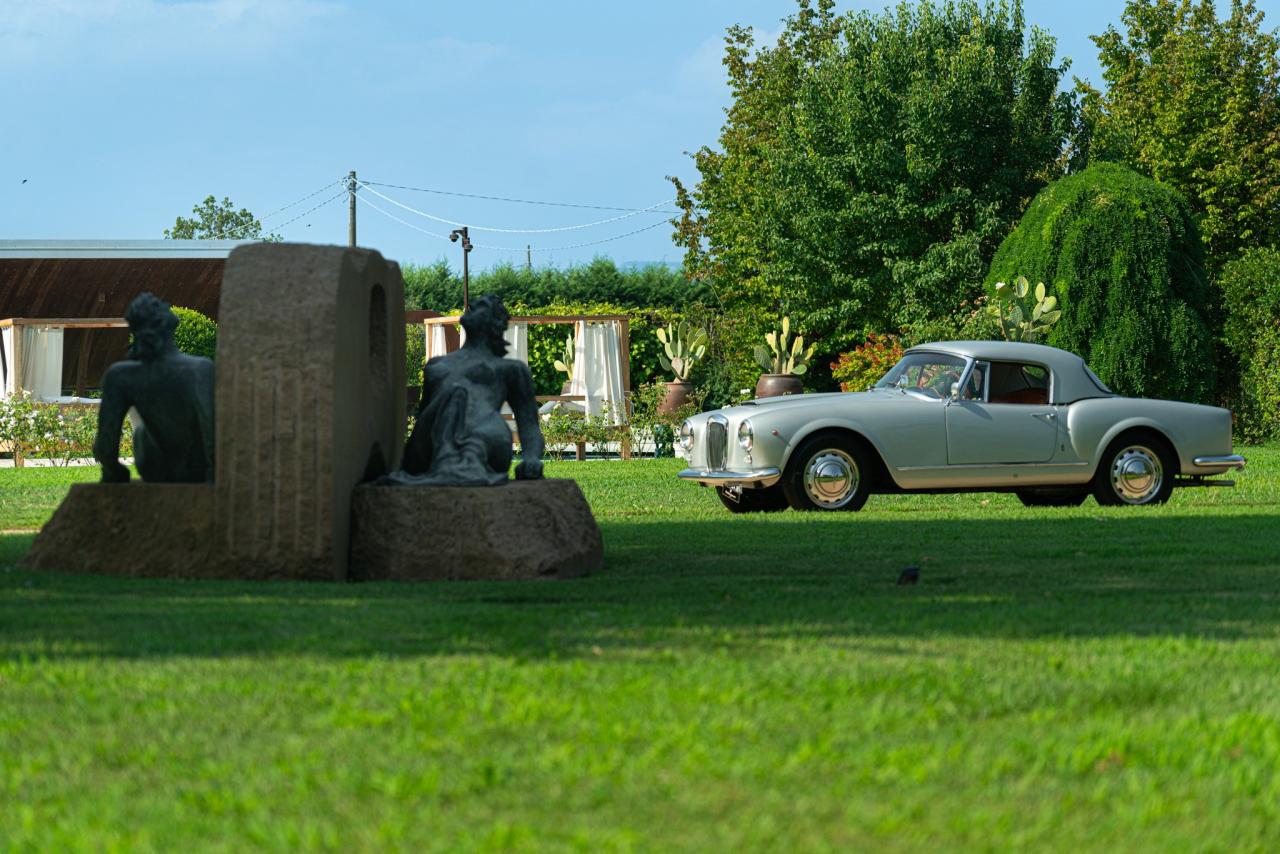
(71, 284)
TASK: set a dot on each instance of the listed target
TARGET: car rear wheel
(767, 500)
(1136, 470)
(1052, 497)
(827, 472)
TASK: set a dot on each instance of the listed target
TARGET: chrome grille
(717, 442)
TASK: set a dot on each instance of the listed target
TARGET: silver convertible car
(960, 416)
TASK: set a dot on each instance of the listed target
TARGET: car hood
(791, 401)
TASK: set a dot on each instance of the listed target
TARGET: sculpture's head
(152, 325)
(486, 322)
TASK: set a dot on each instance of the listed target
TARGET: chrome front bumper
(1224, 462)
(717, 477)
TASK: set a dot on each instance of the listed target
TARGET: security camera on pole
(466, 274)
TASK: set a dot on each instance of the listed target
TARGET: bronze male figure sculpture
(460, 437)
(171, 392)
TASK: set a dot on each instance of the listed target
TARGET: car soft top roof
(1072, 379)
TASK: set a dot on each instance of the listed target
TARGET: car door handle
(1049, 415)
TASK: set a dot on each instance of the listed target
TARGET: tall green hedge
(1251, 337)
(1125, 257)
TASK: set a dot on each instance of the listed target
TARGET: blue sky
(122, 114)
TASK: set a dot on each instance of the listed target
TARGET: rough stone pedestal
(137, 529)
(520, 530)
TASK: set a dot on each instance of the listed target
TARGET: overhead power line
(301, 200)
(651, 209)
(329, 200)
(365, 201)
(516, 201)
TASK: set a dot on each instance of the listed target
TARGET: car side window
(975, 388)
(1012, 382)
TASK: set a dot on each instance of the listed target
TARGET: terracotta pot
(773, 385)
(676, 397)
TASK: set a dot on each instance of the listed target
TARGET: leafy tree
(1194, 102)
(215, 220)
(871, 163)
(1125, 258)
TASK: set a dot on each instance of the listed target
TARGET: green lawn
(1080, 678)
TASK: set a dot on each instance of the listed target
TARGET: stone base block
(161, 530)
(520, 530)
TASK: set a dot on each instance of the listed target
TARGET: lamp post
(466, 273)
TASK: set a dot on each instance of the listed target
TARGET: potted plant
(784, 361)
(565, 364)
(684, 344)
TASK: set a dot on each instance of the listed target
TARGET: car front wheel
(1135, 470)
(827, 472)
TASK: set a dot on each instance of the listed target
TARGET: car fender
(841, 423)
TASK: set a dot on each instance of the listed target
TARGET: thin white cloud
(140, 31)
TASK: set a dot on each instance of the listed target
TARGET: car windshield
(928, 374)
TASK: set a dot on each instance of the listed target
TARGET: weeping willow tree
(1125, 256)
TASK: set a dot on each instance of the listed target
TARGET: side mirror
(955, 391)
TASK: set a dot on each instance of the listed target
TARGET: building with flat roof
(85, 279)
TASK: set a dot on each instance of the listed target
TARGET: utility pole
(351, 201)
(528, 258)
(466, 273)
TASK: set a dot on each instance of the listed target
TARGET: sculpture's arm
(525, 407)
(106, 444)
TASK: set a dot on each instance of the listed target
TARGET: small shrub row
(59, 433)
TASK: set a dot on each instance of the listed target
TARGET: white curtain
(41, 362)
(8, 379)
(517, 336)
(597, 369)
(438, 341)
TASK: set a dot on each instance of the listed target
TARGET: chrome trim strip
(764, 477)
(989, 466)
(1229, 461)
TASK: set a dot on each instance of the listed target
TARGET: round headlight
(686, 436)
(744, 434)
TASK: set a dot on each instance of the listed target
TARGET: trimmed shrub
(865, 365)
(1251, 337)
(1125, 257)
(196, 335)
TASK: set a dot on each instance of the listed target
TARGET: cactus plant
(785, 355)
(565, 363)
(1021, 318)
(684, 344)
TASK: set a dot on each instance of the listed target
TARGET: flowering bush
(862, 367)
(51, 431)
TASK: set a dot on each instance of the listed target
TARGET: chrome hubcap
(1136, 474)
(831, 479)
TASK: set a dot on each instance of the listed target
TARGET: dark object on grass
(172, 394)
(460, 437)
(910, 575)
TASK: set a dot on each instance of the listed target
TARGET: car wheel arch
(1134, 428)
(881, 474)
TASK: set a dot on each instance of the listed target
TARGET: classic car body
(960, 416)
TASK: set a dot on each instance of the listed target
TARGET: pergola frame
(82, 368)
